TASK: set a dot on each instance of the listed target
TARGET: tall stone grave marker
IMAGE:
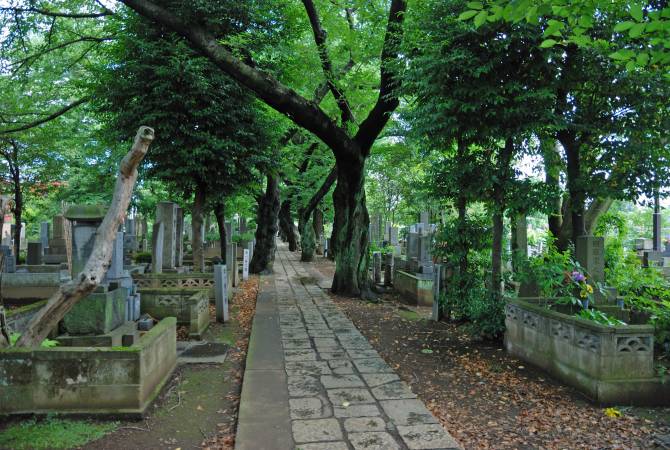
(221, 292)
(437, 285)
(590, 252)
(157, 248)
(179, 256)
(388, 269)
(166, 213)
(44, 235)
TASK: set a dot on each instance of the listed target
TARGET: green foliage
(558, 275)
(600, 317)
(53, 433)
(142, 257)
(47, 343)
(243, 237)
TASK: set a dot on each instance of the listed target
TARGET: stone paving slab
(341, 393)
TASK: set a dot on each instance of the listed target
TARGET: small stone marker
(221, 292)
(245, 265)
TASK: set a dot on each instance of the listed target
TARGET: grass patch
(53, 433)
(408, 314)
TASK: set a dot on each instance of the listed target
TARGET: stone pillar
(34, 256)
(230, 262)
(179, 255)
(221, 292)
(23, 243)
(44, 235)
(377, 267)
(245, 264)
(657, 226)
(157, 248)
(388, 270)
(236, 271)
(229, 232)
(7, 234)
(166, 213)
(243, 225)
(412, 245)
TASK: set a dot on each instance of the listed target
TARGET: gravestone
(129, 241)
(412, 245)
(243, 225)
(424, 218)
(231, 262)
(179, 256)
(9, 265)
(44, 235)
(425, 242)
(245, 265)
(23, 243)
(85, 220)
(521, 237)
(56, 253)
(116, 264)
(221, 292)
(34, 255)
(436, 314)
(157, 248)
(393, 236)
(326, 246)
(590, 253)
(375, 225)
(388, 269)
(7, 234)
(657, 231)
(105, 309)
(166, 213)
(377, 267)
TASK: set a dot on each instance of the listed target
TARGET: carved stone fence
(174, 280)
(611, 364)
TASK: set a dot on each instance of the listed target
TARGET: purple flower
(578, 277)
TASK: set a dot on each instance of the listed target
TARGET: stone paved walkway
(341, 393)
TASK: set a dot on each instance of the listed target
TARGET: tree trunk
(503, 169)
(307, 234)
(197, 212)
(18, 211)
(596, 209)
(351, 228)
(266, 218)
(288, 226)
(317, 222)
(575, 185)
(220, 214)
(70, 293)
(552, 170)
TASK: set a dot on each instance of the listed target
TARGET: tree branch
(46, 119)
(94, 271)
(304, 113)
(387, 101)
(318, 195)
(45, 12)
(22, 62)
(326, 64)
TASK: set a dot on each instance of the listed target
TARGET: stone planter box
(87, 380)
(611, 365)
(189, 306)
(417, 289)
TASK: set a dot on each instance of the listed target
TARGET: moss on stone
(86, 212)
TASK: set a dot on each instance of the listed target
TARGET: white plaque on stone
(245, 265)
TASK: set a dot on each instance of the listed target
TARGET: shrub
(142, 257)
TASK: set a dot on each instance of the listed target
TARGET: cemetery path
(314, 382)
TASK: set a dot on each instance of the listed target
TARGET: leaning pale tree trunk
(83, 284)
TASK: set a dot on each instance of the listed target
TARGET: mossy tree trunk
(351, 230)
(267, 217)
